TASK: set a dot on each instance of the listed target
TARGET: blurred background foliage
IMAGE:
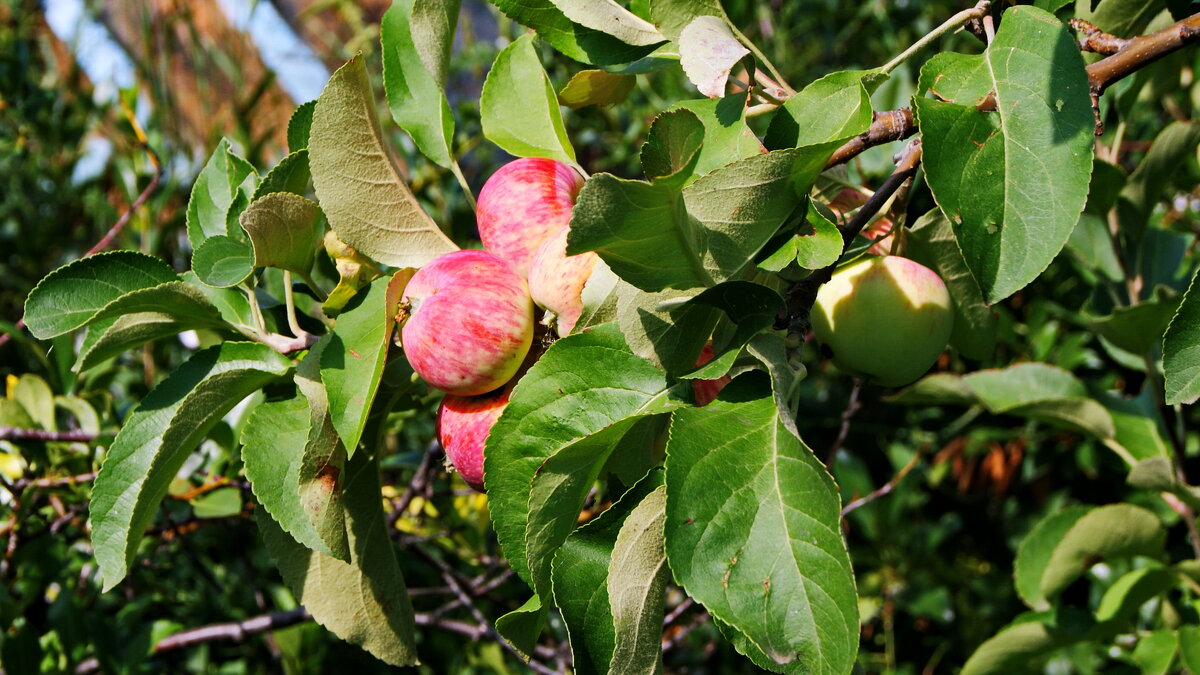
(83, 129)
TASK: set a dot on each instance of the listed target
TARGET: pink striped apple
(469, 322)
(522, 204)
(885, 318)
(556, 281)
(463, 424)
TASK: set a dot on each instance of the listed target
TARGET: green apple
(884, 318)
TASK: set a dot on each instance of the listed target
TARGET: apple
(463, 424)
(556, 281)
(524, 203)
(885, 318)
(706, 391)
(467, 322)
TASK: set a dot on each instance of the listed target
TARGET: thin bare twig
(19, 434)
(852, 408)
(53, 481)
(887, 487)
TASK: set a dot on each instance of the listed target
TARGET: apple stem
(289, 299)
(462, 180)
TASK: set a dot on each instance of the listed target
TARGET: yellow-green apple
(885, 318)
(523, 204)
(706, 391)
(468, 322)
(463, 424)
(556, 281)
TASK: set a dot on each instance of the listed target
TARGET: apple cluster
(471, 313)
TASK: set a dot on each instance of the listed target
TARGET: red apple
(469, 322)
(706, 391)
(463, 424)
(522, 205)
(885, 318)
(556, 281)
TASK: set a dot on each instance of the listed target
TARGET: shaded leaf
(299, 126)
(575, 41)
(215, 193)
(606, 16)
(834, 108)
(291, 174)
(672, 147)
(363, 601)
(637, 577)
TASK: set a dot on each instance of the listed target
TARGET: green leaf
(637, 578)
(1013, 647)
(931, 242)
(300, 125)
(608, 17)
(291, 174)
(413, 80)
(1068, 542)
(1128, 593)
(1189, 647)
(352, 363)
(727, 137)
(654, 239)
(1002, 390)
(522, 627)
(581, 579)
(1014, 182)
(1155, 652)
(1181, 348)
(119, 334)
(223, 262)
(358, 186)
(672, 147)
(820, 248)
(1139, 329)
(572, 39)
(596, 87)
(36, 399)
(519, 108)
(834, 108)
(158, 436)
(708, 50)
(274, 443)
(1137, 425)
(753, 532)
(73, 295)
(1080, 414)
(584, 383)
(363, 601)
(215, 193)
(283, 229)
(220, 503)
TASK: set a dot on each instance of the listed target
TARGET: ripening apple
(463, 424)
(706, 391)
(885, 318)
(469, 322)
(556, 281)
(524, 203)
